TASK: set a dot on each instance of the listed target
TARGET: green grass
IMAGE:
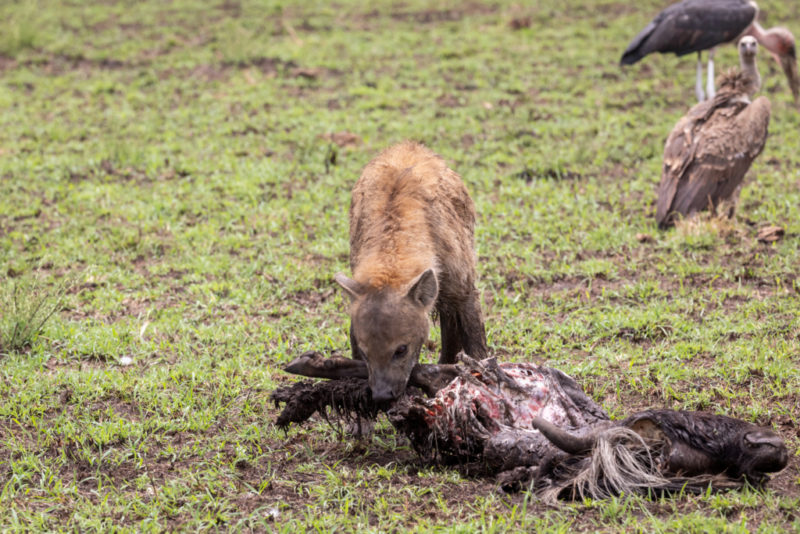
(170, 159)
(27, 307)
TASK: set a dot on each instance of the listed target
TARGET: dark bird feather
(710, 149)
(691, 26)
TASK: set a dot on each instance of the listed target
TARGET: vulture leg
(710, 91)
(698, 86)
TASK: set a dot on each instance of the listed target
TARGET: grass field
(174, 186)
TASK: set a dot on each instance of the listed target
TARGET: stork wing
(706, 165)
(691, 26)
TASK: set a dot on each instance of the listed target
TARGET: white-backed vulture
(711, 148)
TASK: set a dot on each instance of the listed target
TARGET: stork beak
(789, 65)
(563, 439)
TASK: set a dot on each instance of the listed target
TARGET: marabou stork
(711, 148)
(697, 25)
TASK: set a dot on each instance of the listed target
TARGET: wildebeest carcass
(535, 427)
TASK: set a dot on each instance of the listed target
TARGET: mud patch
(520, 23)
(57, 64)
(310, 300)
(342, 139)
(434, 16)
(7, 63)
(529, 175)
(449, 100)
(265, 65)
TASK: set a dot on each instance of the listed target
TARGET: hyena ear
(353, 288)
(424, 289)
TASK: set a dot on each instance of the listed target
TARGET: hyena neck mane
(389, 272)
(396, 246)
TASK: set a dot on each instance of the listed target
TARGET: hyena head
(389, 327)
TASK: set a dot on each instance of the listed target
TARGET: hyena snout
(385, 390)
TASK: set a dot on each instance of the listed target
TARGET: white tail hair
(620, 462)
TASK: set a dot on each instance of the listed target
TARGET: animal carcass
(534, 426)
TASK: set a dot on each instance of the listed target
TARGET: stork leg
(710, 91)
(698, 86)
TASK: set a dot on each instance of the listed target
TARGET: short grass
(173, 161)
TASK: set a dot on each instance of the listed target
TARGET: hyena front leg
(471, 329)
(451, 337)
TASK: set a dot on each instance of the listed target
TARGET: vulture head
(748, 47)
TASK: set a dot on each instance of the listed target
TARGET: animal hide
(534, 427)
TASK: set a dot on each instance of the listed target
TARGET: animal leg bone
(428, 377)
(315, 365)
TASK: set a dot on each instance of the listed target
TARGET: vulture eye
(400, 352)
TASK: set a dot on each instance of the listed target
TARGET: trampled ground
(182, 169)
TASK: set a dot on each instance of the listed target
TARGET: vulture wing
(706, 160)
(691, 26)
(679, 152)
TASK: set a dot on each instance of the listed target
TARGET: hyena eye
(400, 352)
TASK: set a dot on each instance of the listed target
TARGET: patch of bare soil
(57, 64)
(232, 8)
(288, 485)
(433, 16)
(7, 63)
(129, 307)
(449, 100)
(310, 300)
(520, 22)
(365, 21)
(342, 139)
(529, 175)
(267, 66)
(108, 170)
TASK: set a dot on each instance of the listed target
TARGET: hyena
(412, 250)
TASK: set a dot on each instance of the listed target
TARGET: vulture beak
(563, 439)
(789, 65)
